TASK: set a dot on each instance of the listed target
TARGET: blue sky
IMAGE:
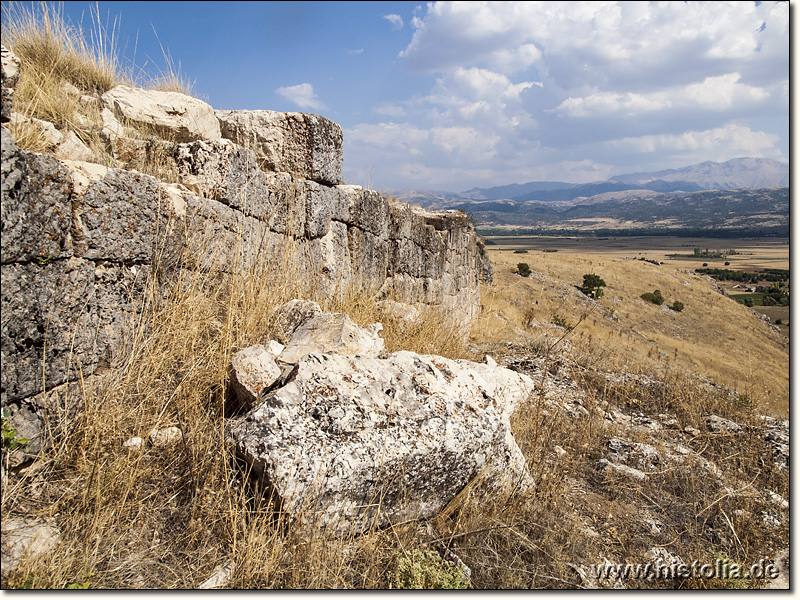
(453, 95)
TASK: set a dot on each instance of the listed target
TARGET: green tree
(592, 285)
(524, 269)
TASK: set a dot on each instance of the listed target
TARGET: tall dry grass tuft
(53, 51)
(64, 70)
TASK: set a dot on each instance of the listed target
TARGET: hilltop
(224, 368)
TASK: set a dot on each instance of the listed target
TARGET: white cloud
(729, 141)
(395, 20)
(713, 93)
(302, 95)
(357, 51)
(522, 87)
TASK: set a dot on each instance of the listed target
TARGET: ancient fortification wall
(79, 239)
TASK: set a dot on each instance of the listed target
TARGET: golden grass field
(713, 336)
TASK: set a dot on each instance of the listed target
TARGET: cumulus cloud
(302, 95)
(587, 85)
(731, 141)
(395, 20)
(713, 93)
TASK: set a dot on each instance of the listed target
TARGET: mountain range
(743, 193)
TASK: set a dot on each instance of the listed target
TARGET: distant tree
(524, 269)
(677, 306)
(592, 285)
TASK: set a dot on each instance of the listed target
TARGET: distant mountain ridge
(744, 193)
(737, 173)
(733, 174)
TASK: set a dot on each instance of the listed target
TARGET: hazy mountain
(729, 175)
(741, 193)
(755, 209)
(514, 190)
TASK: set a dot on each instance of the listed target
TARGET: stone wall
(79, 239)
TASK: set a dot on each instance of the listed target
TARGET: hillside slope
(713, 336)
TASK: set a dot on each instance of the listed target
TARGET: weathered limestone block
(370, 256)
(224, 171)
(306, 145)
(9, 77)
(72, 148)
(369, 211)
(61, 319)
(36, 214)
(120, 217)
(288, 317)
(222, 239)
(26, 537)
(337, 265)
(171, 115)
(333, 332)
(353, 441)
(253, 370)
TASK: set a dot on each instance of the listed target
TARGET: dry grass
(713, 336)
(63, 72)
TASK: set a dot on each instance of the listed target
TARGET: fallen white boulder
(356, 441)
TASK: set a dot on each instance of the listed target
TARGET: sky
(454, 95)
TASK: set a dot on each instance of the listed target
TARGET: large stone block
(354, 441)
(120, 217)
(61, 320)
(9, 77)
(306, 145)
(36, 214)
(170, 115)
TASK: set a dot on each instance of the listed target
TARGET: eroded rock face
(306, 145)
(172, 115)
(353, 441)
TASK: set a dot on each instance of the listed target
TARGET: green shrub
(562, 322)
(426, 570)
(520, 251)
(592, 285)
(677, 306)
(654, 297)
(778, 321)
(524, 269)
(748, 302)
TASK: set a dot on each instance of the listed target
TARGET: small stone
(220, 577)
(134, 443)
(165, 437)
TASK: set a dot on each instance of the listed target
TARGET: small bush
(654, 297)
(520, 251)
(562, 322)
(677, 306)
(778, 321)
(727, 263)
(426, 570)
(524, 269)
(592, 285)
(748, 302)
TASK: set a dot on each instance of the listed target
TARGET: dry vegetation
(150, 518)
(713, 336)
(64, 70)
